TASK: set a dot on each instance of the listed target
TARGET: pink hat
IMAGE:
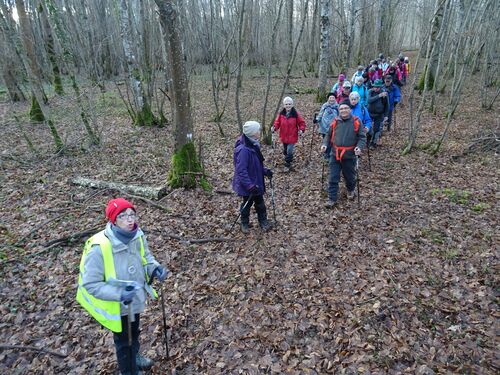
(115, 206)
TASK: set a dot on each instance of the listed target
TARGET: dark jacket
(394, 95)
(346, 136)
(249, 168)
(377, 105)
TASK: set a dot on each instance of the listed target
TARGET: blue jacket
(362, 113)
(326, 115)
(363, 93)
(249, 168)
(394, 95)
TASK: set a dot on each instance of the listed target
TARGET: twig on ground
(32, 348)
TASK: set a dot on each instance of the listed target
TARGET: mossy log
(150, 192)
(186, 168)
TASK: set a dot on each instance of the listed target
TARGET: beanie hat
(331, 94)
(115, 206)
(378, 83)
(250, 128)
(345, 102)
(341, 77)
(347, 84)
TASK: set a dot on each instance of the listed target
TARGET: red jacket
(289, 127)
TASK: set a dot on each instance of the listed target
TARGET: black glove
(160, 273)
(269, 173)
(254, 190)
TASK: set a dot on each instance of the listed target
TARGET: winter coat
(346, 136)
(289, 127)
(361, 112)
(341, 97)
(249, 168)
(126, 257)
(326, 115)
(363, 93)
(356, 74)
(395, 74)
(337, 88)
(377, 105)
(394, 95)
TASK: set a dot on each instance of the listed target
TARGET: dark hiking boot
(330, 204)
(143, 363)
(351, 195)
(265, 226)
(244, 228)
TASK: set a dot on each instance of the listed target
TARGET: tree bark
(142, 191)
(324, 50)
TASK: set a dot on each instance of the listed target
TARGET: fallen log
(141, 191)
(31, 348)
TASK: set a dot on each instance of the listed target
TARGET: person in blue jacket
(359, 110)
(360, 88)
(327, 113)
(394, 95)
(249, 172)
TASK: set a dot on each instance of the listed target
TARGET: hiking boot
(265, 226)
(351, 195)
(330, 204)
(143, 363)
(244, 228)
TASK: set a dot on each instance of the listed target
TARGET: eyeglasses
(126, 217)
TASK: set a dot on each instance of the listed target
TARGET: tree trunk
(239, 70)
(324, 50)
(142, 191)
(185, 165)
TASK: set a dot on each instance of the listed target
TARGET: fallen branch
(32, 348)
(141, 191)
(197, 240)
(71, 237)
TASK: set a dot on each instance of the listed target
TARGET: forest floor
(404, 282)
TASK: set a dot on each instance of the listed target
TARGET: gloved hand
(160, 273)
(357, 151)
(301, 133)
(395, 104)
(254, 190)
(269, 173)
(272, 129)
(315, 120)
(128, 295)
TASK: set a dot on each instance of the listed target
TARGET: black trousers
(125, 354)
(260, 207)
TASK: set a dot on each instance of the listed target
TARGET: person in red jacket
(291, 125)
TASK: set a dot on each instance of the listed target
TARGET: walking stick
(357, 175)
(128, 288)
(323, 173)
(272, 200)
(395, 122)
(368, 140)
(165, 327)
(312, 139)
(244, 206)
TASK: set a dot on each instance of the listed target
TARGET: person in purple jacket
(249, 172)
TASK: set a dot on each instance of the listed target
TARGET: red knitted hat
(115, 206)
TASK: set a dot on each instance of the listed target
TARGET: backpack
(340, 150)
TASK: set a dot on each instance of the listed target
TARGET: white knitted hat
(250, 128)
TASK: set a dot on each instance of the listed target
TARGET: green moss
(35, 112)
(58, 85)
(186, 169)
(421, 82)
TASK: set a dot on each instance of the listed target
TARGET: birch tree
(324, 50)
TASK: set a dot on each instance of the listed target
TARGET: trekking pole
(368, 139)
(244, 206)
(128, 288)
(272, 200)
(165, 327)
(312, 139)
(323, 173)
(357, 175)
(394, 127)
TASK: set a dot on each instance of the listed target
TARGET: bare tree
(324, 50)
(185, 165)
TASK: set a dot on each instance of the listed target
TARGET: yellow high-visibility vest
(105, 312)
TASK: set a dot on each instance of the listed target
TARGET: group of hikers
(352, 120)
(117, 269)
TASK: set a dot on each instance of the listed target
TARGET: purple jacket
(249, 168)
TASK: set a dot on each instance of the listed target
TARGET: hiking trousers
(378, 125)
(260, 207)
(122, 348)
(348, 169)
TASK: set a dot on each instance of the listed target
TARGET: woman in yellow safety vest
(116, 271)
